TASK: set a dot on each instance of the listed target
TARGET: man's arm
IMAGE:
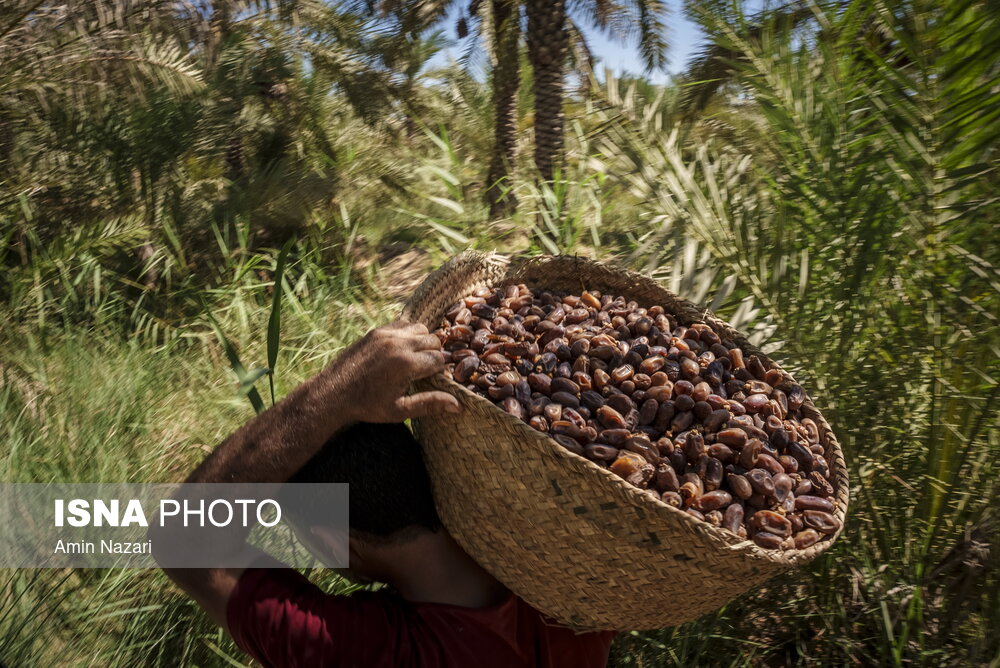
(369, 382)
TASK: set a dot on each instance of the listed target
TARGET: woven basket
(575, 541)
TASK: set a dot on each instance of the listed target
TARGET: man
(440, 608)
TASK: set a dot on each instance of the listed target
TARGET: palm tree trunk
(506, 80)
(547, 41)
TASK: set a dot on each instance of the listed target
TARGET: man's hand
(368, 382)
(375, 373)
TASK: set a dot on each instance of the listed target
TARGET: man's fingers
(426, 363)
(427, 403)
(426, 342)
(406, 327)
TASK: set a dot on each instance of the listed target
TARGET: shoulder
(509, 633)
(286, 591)
(282, 619)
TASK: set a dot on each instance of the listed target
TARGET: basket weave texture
(575, 541)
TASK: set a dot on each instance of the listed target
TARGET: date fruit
(673, 408)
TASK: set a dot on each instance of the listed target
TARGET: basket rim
(792, 557)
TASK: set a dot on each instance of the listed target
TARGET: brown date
(761, 482)
(610, 418)
(566, 399)
(627, 464)
(713, 500)
(821, 486)
(733, 518)
(733, 437)
(600, 452)
(569, 443)
(782, 486)
(806, 502)
(671, 499)
(771, 522)
(767, 540)
(739, 486)
(749, 453)
(806, 538)
(821, 521)
(666, 478)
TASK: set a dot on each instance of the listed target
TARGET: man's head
(390, 491)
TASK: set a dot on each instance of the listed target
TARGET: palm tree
(506, 81)
(549, 28)
(548, 34)
(715, 65)
(499, 28)
(136, 109)
(547, 40)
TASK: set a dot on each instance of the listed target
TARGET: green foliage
(859, 229)
(835, 198)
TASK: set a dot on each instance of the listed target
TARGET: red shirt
(281, 619)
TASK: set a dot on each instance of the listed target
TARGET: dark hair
(390, 490)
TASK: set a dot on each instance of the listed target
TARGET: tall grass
(836, 198)
(82, 405)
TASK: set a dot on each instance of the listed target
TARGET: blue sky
(683, 36)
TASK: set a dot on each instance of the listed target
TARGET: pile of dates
(673, 409)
